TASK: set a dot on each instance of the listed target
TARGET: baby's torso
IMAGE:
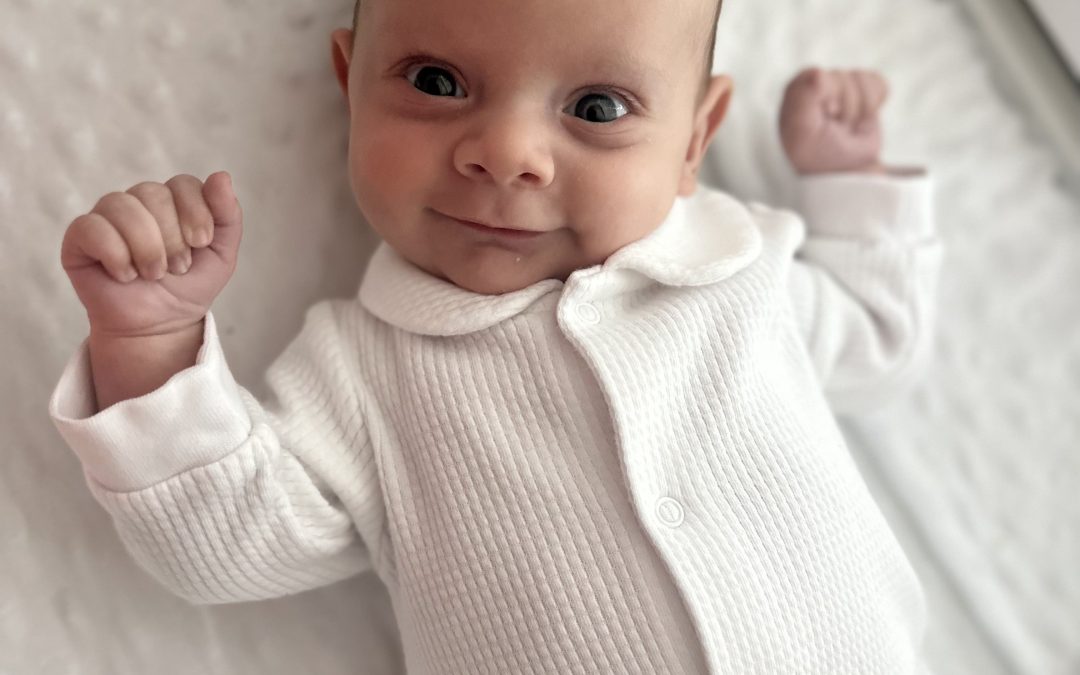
(643, 482)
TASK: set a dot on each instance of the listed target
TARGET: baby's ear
(710, 113)
(341, 45)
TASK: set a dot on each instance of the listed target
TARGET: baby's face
(571, 124)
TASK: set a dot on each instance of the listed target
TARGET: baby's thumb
(228, 216)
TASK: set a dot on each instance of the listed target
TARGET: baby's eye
(600, 108)
(434, 81)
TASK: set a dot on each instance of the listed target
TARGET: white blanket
(96, 97)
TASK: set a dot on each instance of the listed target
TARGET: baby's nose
(510, 152)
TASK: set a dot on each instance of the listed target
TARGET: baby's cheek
(625, 200)
(383, 167)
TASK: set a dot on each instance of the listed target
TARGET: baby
(580, 416)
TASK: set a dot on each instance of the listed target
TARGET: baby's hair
(710, 46)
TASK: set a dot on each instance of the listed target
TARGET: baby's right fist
(151, 260)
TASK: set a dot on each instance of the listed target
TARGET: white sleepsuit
(635, 471)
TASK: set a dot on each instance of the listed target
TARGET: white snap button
(588, 313)
(670, 511)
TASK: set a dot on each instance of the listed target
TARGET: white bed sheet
(97, 96)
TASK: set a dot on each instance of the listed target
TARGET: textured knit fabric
(637, 470)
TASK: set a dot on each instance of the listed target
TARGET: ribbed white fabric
(634, 471)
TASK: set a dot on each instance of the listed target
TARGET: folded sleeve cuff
(898, 206)
(194, 419)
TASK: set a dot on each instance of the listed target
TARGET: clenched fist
(150, 261)
(829, 120)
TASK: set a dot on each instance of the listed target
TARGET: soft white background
(976, 469)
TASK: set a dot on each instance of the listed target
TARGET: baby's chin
(493, 280)
(487, 267)
(494, 272)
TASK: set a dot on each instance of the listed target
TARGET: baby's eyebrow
(625, 69)
(628, 62)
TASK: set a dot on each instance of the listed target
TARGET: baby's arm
(864, 280)
(220, 498)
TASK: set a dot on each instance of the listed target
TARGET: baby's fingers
(158, 200)
(91, 239)
(139, 229)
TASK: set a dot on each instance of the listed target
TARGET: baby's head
(574, 123)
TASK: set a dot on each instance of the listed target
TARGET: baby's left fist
(829, 120)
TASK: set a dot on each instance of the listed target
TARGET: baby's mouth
(477, 226)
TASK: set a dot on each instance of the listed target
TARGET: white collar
(705, 238)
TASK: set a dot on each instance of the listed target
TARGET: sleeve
(220, 498)
(864, 284)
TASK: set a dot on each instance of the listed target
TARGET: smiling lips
(488, 229)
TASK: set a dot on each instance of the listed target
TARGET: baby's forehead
(683, 7)
(651, 27)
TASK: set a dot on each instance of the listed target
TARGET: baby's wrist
(125, 367)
